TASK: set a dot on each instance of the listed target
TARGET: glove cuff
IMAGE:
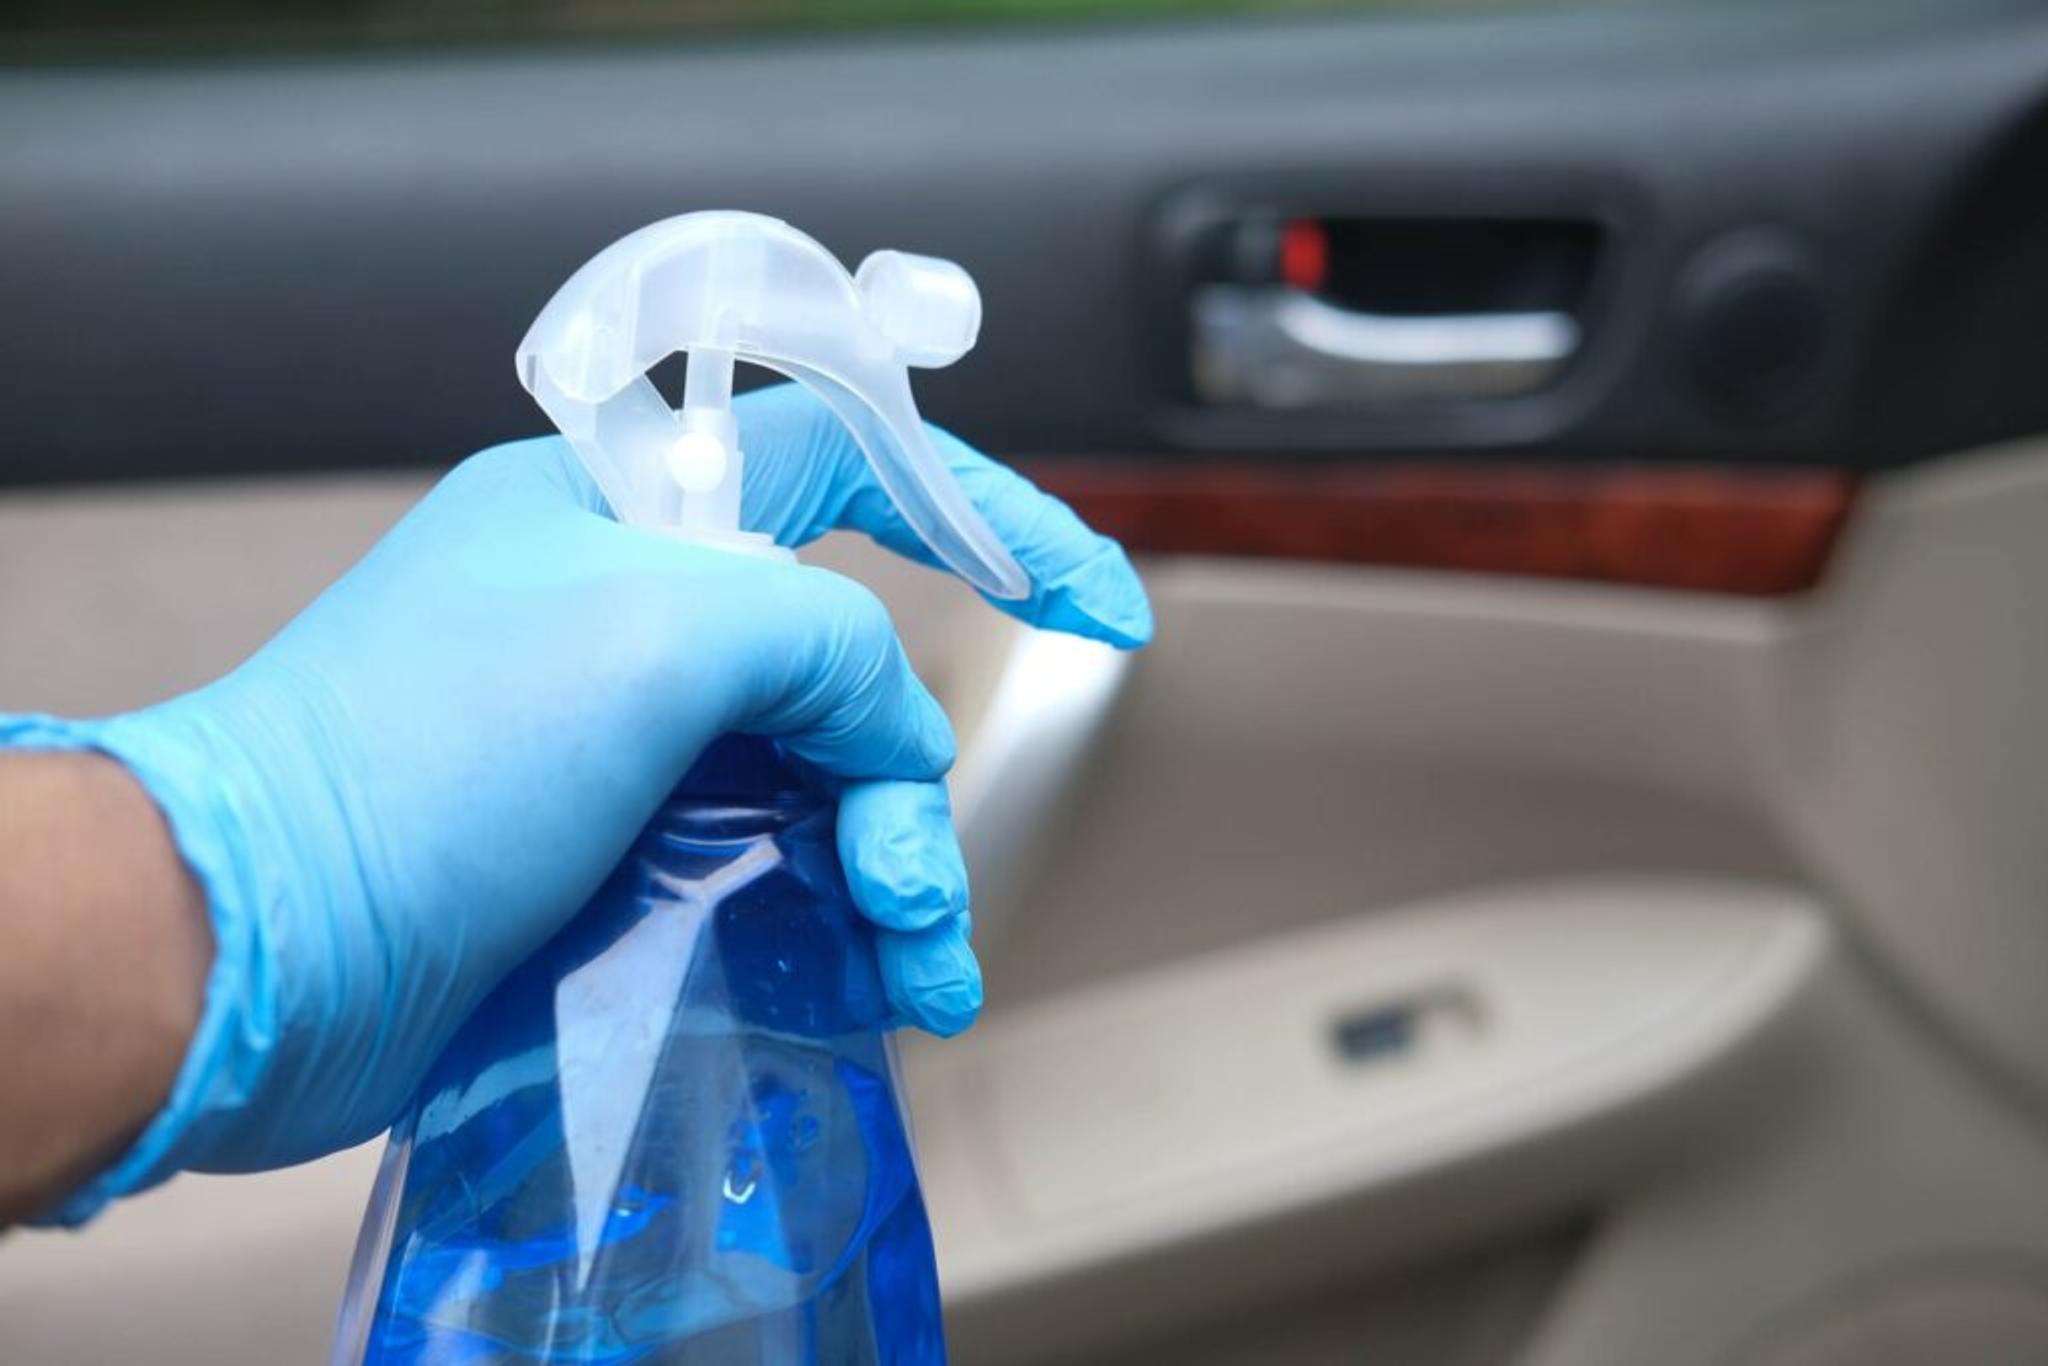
(170, 754)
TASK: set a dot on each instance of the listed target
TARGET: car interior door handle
(1280, 347)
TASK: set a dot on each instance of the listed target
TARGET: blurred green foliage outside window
(296, 23)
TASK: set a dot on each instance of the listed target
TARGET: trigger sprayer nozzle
(726, 287)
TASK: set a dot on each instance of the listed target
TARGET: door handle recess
(1284, 348)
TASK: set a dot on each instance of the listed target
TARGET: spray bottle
(675, 1135)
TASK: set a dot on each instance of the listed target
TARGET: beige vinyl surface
(1313, 756)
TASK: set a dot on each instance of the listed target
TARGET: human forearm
(106, 950)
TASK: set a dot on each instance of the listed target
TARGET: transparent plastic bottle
(674, 1135)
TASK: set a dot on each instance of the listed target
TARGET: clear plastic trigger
(727, 287)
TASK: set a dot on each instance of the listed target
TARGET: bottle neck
(750, 768)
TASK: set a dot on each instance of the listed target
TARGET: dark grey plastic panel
(326, 262)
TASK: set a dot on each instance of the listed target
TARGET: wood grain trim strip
(1760, 533)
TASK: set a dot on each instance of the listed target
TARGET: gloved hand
(426, 773)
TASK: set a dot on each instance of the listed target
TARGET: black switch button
(1753, 327)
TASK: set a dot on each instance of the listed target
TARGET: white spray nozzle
(727, 287)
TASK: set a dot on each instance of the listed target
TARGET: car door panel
(397, 216)
(1563, 887)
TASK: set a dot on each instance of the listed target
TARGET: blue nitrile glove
(426, 773)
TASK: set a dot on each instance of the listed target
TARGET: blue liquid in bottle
(673, 1136)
